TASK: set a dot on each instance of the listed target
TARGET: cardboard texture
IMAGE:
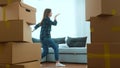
(18, 11)
(102, 8)
(12, 53)
(103, 55)
(105, 29)
(35, 64)
(15, 30)
(6, 2)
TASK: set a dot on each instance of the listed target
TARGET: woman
(45, 35)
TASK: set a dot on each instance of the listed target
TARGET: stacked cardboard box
(34, 64)
(18, 11)
(104, 55)
(16, 47)
(6, 2)
(105, 29)
(15, 30)
(102, 8)
(104, 17)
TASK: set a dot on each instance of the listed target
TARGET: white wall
(71, 22)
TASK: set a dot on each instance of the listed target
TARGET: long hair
(46, 13)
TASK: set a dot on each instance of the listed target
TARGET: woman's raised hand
(57, 15)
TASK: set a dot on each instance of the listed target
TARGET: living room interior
(86, 34)
(72, 32)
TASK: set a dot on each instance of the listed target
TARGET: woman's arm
(48, 21)
(52, 22)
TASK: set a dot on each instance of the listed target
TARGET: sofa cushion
(59, 40)
(70, 50)
(63, 46)
(76, 42)
(69, 58)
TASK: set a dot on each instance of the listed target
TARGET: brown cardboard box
(34, 64)
(12, 53)
(103, 55)
(6, 2)
(18, 11)
(105, 29)
(102, 7)
(15, 30)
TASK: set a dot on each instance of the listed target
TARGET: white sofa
(68, 54)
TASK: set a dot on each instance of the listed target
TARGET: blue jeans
(48, 42)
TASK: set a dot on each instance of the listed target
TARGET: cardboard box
(6, 2)
(103, 55)
(18, 11)
(12, 53)
(102, 8)
(105, 29)
(15, 30)
(34, 64)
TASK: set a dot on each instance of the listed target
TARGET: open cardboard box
(18, 11)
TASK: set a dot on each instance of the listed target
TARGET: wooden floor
(52, 65)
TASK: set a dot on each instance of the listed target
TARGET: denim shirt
(46, 27)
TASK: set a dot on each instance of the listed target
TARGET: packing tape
(9, 1)
(4, 13)
(4, 17)
(7, 66)
(92, 30)
(106, 55)
(103, 56)
(114, 12)
(116, 29)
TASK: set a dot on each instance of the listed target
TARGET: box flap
(27, 7)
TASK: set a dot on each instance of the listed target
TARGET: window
(71, 21)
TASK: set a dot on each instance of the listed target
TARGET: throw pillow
(76, 42)
(59, 40)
